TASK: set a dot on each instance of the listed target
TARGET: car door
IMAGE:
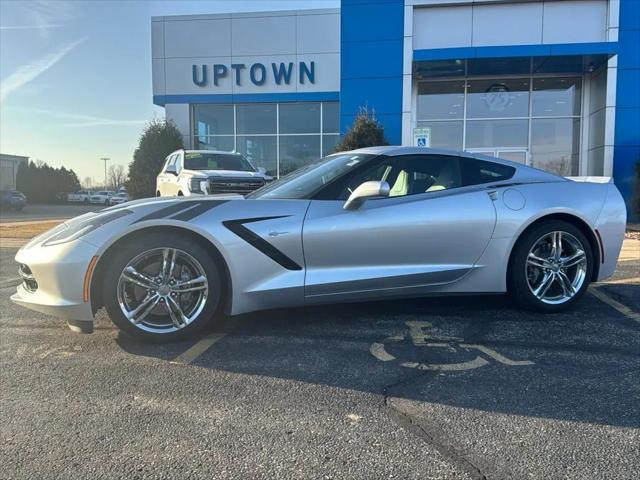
(431, 230)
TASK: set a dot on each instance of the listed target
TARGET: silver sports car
(368, 224)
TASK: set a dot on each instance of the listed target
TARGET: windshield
(216, 161)
(308, 180)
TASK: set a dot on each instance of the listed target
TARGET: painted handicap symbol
(420, 333)
(422, 141)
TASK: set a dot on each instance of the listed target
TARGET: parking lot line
(623, 309)
(198, 348)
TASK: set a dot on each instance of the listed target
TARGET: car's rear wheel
(551, 267)
(161, 288)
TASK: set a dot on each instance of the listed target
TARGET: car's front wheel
(551, 267)
(161, 287)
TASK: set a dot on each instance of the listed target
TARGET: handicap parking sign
(422, 137)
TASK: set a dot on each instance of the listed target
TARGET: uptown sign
(257, 73)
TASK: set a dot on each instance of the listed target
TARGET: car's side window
(476, 172)
(166, 163)
(178, 162)
(406, 175)
(171, 161)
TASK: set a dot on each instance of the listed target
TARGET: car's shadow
(583, 365)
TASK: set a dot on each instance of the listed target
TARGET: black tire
(86, 201)
(128, 251)
(517, 276)
(158, 194)
(180, 194)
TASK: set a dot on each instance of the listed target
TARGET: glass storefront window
(497, 133)
(299, 118)
(555, 145)
(224, 143)
(498, 98)
(306, 131)
(214, 120)
(329, 143)
(260, 150)
(445, 134)
(330, 117)
(298, 150)
(556, 97)
(256, 118)
(440, 100)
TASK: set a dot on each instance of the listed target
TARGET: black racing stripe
(197, 210)
(175, 207)
(182, 210)
(237, 227)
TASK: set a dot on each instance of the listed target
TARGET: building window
(277, 136)
(531, 119)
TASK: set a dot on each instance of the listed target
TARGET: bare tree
(87, 183)
(116, 176)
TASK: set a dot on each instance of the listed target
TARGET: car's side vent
(28, 280)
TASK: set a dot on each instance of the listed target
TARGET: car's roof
(395, 150)
(212, 151)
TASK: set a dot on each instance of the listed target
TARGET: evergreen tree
(366, 131)
(159, 138)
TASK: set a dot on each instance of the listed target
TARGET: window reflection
(214, 120)
(497, 133)
(298, 150)
(498, 98)
(554, 145)
(299, 118)
(224, 144)
(252, 129)
(445, 134)
(440, 100)
(556, 97)
(258, 118)
(261, 151)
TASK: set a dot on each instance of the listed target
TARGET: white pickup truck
(81, 196)
(206, 172)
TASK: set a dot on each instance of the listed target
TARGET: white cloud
(30, 71)
(31, 27)
(79, 121)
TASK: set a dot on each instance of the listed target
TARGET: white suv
(203, 172)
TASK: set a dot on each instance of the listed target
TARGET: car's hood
(223, 173)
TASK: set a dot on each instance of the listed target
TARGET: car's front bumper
(59, 271)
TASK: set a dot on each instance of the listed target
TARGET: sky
(75, 76)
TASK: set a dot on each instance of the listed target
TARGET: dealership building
(550, 83)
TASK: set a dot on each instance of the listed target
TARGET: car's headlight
(77, 230)
(198, 185)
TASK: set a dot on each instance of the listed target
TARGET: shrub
(366, 131)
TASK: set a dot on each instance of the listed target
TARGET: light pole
(105, 160)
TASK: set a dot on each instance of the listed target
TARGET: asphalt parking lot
(453, 388)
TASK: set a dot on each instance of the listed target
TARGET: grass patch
(27, 231)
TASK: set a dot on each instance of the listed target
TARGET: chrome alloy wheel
(556, 267)
(162, 290)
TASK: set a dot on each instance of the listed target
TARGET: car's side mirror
(372, 189)
(262, 170)
(171, 169)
